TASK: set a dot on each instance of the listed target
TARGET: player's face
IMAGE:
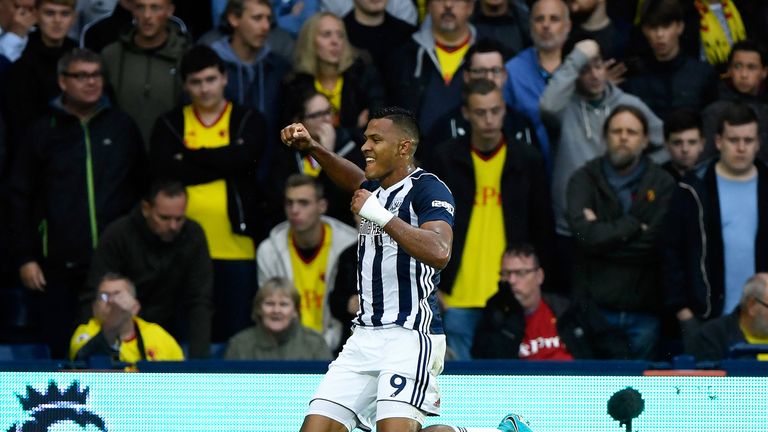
(206, 88)
(151, 17)
(382, 150)
(252, 27)
(82, 83)
(450, 16)
(524, 278)
(488, 65)
(277, 311)
(549, 24)
(747, 72)
(486, 114)
(166, 217)
(54, 21)
(626, 140)
(329, 40)
(684, 148)
(664, 39)
(303, 208)
(738, 147)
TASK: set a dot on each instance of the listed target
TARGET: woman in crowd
(326, 61)
(278, 333)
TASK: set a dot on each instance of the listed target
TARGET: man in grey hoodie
(574, 107)
(254, 71)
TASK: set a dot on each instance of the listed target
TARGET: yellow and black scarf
(713, 36)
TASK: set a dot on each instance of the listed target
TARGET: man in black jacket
(502, 196)
(166, 256)
(521, 322)
(717, 230)
(615, 207)
(80, 168)
(213, 146)
(669, 78)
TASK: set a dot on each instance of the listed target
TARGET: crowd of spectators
(614, 146)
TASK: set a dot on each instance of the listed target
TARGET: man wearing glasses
(81, 167)
(521, 322)
(748, 323)
(484, 60)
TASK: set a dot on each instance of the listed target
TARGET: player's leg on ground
(510, 423)
(318, 423)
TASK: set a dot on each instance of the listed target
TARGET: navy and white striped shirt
(395, 288)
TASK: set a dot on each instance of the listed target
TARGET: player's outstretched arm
(429, 243)
(344, 173)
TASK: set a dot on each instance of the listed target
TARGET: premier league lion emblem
(56, 410)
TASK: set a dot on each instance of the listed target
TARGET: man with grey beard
(747, 324)
(615, 207)
(529, 71)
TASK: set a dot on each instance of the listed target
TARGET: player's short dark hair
(168, 187)
(523, 250)
(659, 13)
(682, 119)
(749, 45)
(628, 109)
(198, 58)
(736, 114)
(297, 180)
(403, 119)
(481, 86)
(83, 55)
(484, 46)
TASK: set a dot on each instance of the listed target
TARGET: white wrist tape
(375, 212)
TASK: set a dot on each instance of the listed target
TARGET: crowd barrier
(272, 396)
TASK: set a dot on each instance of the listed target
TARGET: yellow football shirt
(450, 59)
(477, 279)
(207, 203)
(309, 278)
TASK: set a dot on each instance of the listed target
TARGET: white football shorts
(381, 367)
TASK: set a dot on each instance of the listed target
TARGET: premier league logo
(57, 411)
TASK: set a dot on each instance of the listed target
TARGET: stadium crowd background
(632, 270)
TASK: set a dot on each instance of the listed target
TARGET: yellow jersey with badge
(478, 275)
(207, 203)
(309, 279)
(158, 343)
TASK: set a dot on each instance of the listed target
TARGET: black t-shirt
(379, 41)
